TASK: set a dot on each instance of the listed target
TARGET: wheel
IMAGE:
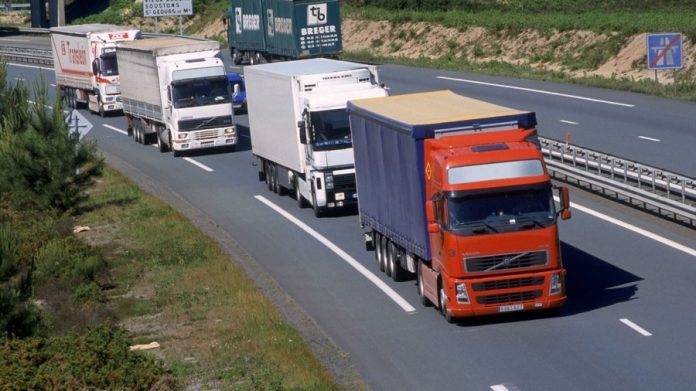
(421, 288)
(269, 176)
(383, 253)
(443, 305)
(253, 60)
(298, 196)
(101, 109)
(397, 273)
(163, 148)
(318, 212)
(236, 57)
(376, 237)
(137, 133)
(176, 153)
(388, 257)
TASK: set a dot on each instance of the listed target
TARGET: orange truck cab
(455, 191)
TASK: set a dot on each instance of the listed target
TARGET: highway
(628, 324)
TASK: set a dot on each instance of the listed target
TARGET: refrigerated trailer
(84, 60)
(299, 127)
(455, 191)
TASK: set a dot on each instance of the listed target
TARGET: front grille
(507, 284)
(506, 298)
(344, 182)
(206, 134)
(205, 123)
(506, 261)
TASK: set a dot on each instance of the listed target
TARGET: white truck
(175, 90)
(299, 127)
(84, 59)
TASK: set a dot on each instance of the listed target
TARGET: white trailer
(175, 90)
(299, 127)
(84, 59)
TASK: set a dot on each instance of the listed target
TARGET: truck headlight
(328, 180)
(230, 131)
(556, 285)
(462, 295)
(182, 136)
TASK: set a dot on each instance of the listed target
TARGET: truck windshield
(109, 66)
(513, 209)
(331, 130)
(200, 92)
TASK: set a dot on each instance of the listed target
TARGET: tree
(43, 165)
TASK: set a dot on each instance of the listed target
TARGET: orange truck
(455, 191)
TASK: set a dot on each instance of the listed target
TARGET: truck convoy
(299, 127)
(177, 92)
(84, 60)
(456, 191)
(261, 30)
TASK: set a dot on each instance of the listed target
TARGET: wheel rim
(443, 302)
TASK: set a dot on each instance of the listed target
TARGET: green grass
(175, 286)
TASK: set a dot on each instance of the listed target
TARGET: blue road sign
(664, 51)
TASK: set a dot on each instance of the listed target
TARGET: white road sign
(156, 8)
(78, 122)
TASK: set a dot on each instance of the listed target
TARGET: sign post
(664, 51)
(157, 8)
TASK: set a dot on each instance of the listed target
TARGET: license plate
(511, 308)
(340, 196)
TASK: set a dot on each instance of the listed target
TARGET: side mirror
(235, 90)
(564, 196)
(95, 67)
(302, 126)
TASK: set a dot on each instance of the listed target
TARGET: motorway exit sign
(664, 51)
(156, 8)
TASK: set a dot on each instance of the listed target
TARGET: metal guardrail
(27, 55)
(652, 189)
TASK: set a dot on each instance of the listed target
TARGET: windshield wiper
(482, 227)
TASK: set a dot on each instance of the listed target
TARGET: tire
(318, 212)
(443, 305)
(376, 237)
(301, 203)
(137, 135)
(269, 177)
(383, 255)
(252, 58)
(101, 109)
(397, 273)
(163, 148)
(421, 289)
(236, 56)
(176, 153)
(388, 257)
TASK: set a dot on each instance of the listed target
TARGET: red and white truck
(84, 59)
(455, 191)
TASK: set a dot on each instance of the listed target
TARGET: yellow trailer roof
(426, 108)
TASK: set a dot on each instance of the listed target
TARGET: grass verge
(173, 285)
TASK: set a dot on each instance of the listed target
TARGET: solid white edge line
(635, 327)
(657, 140)
(570, 122)
(499, 387)
(630, 227)
(400, 301)
(537, 91)
(199, 164)
(115, 129)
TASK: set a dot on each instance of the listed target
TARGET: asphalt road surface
(628, 324)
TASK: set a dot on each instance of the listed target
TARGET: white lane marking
(201, 165)
(28, 66)
(635, 327)
(504, 387)
(115, 129)
(400, 301)
(630, 227)
(657, 140)
(538, 91)
(52, 85)
(15, 40)
(570, 122)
